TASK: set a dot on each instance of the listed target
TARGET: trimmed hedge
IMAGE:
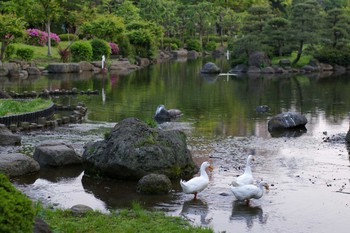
(100, 47)
(26, 54)
(81, 51)
(16, 211)
(68, 37)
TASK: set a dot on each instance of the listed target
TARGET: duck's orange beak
(210, 168)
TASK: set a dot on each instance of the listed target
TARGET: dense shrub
(125, 48)
(68, 37)
(16, 212)
(107, 27)
(26, 54)
(39, 38)
(99, 48)
(333, 56)
(81, 51)
(193, 44)
(10, 51)
(144, 43)
(172, 43)
(210, 46)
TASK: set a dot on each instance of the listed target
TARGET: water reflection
(120, 193)
(247, 213)
(192, 209)
(290, 133)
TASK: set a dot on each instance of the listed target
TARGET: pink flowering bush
(114, 48)
(39, 38)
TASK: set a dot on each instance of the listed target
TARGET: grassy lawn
(132, 220)
(304, 59)
(40, 52)
(11, 107)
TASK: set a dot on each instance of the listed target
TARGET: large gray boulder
(210, 68)
(287, 120)
(17, 164)
(133, 150)
(259, 59)
(56, 154)
(7, 138)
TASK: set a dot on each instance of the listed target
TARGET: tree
(11, 30)
(337, 28)
(107, 27)
(276, 32)
(306, 22)
(47, 10)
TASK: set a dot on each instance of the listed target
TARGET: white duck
(246, 192)
(197, 184)
(247, 176)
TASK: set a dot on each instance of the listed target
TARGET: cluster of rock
(259, 62)
(133, 150)
(23, 69)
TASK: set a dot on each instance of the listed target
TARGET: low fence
(28, 117)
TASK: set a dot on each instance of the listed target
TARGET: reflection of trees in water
(195, 208)
(241, 211)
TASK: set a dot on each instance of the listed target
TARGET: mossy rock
(16, 211)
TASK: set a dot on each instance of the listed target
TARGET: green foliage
(172, 43)
(135, 219)
(10, 51)
(68, 37)
(193, 44)
(100, 47)
(107, 27)
(210, 46)
(125, 48)
(81, 51)
(16, 212)
(26, 54)
(334, 56)
(144, 42)
(11, 30)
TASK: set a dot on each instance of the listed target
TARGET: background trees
(277, 27)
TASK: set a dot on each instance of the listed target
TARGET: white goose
(197, 184)
(247, 176)
(246, 192)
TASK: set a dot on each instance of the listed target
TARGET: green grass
(132, 220)
(304, 59)
(11, 107)
(40, 52)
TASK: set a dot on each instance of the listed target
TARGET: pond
(308, 172)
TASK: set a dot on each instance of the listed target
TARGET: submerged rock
(154, 184)
(286, 120)
(133, 150)
(210, 68)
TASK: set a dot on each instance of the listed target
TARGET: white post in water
(228, 55)
(103, 61)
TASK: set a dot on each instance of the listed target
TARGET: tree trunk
(48, 28)
(2, 52)
(300, 51)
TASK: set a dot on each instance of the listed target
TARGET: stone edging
(28, 117)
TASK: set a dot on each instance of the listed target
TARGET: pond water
(308, 174)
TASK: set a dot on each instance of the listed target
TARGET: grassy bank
(11, 107)
(135, 219)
